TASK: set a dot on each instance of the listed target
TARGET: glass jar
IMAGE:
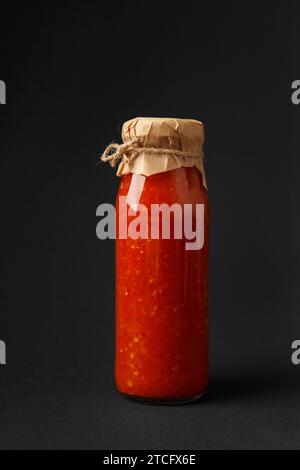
(161, 289)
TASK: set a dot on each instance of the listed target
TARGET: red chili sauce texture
(162, 296)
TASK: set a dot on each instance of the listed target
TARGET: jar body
(161, 293)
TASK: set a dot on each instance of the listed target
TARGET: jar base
(164, 401)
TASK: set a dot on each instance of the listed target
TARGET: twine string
(130, 150)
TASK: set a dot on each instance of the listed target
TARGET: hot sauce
(161, 292)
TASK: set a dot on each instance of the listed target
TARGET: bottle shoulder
(182, 185)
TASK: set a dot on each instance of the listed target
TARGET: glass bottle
(162, 285)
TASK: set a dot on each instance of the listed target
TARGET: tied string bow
(116, 152)
(130, 150)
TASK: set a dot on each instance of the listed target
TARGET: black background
(74, 72)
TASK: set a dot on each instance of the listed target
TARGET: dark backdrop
(74, 72)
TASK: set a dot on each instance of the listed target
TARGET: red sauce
(162, 299)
